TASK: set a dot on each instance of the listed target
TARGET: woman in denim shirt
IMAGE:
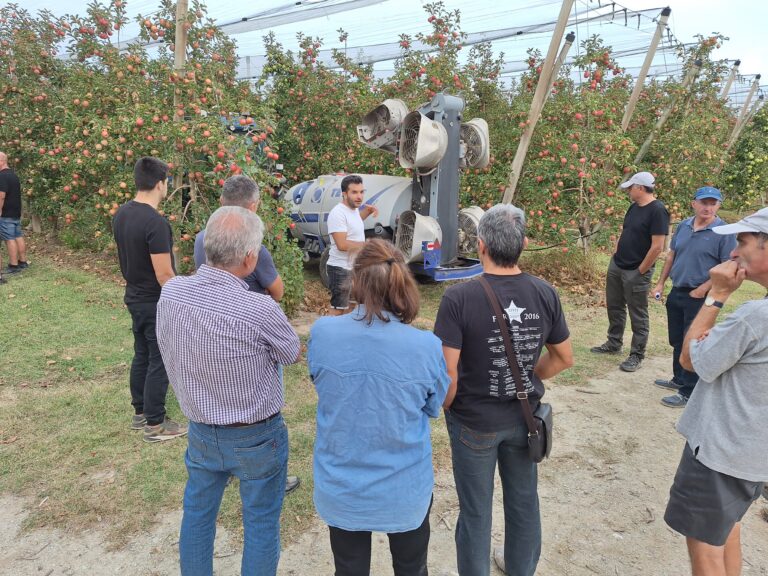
(378, 382)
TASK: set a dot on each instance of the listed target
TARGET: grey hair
(231, 234)
(502, 230)
(240, 191)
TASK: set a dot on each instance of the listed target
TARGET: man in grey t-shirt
(724, 462)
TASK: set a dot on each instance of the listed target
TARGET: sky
(383, 21)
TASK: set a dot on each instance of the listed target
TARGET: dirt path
(602, 496)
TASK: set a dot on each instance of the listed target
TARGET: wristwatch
(710, 301)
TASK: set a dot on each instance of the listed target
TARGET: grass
(65, 409)
(65, 404)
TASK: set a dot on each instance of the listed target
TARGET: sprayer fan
(469, 220)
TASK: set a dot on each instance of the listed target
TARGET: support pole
(743, 113)
(689, 78)
(731, 78)
(640, 81)
(179, 62)
(180, 42)
(539, 98)
(560, 60)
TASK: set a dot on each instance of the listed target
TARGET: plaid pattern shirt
(221, 346)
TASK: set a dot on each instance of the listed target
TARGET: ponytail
(382, 282)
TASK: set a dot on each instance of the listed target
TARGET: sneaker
(291, 483)
(23, 265)
(498, 558)
(605, 348)
(632, 363)
(138, 422)
(166, 430)
(12, 269)
(667, 384)
(3, 280)
(675, 401)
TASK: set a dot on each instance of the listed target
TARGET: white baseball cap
(641, 179)
(757, 222)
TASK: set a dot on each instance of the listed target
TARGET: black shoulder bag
(540, 422)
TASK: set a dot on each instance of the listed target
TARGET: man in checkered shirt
(222, 345)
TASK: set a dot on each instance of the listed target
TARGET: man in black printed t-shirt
(628, 280)
(484, 418)
(144, 248)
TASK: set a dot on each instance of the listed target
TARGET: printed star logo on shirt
(513, 312)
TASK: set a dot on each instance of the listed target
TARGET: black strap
(522, 394)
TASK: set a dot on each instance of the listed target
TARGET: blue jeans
(258, 456)
(475, 455)
(681, 310)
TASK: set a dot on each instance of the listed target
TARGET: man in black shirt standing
(484, 417)
(10, 218)
(145, 248)
(628, 281)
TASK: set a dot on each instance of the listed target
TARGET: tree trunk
(37, 223)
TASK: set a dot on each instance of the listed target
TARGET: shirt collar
(716, 222)
(221, 276)
(359, 313)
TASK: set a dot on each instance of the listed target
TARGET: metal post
(442, 206)
(731, 78)
(640, 81)
(689, 78)
(539, 98)
(560, 59)
(743, 113)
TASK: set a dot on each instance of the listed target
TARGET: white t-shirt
(342, 218)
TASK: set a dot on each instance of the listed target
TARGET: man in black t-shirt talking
(628, 281)
(145, 248)
(485, 421)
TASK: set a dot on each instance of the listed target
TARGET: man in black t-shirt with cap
(628, 280)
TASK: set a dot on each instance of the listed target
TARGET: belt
(242, 424)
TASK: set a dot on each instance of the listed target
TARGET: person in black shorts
(628, 281)
(724, 463)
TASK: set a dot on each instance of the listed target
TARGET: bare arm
(557, 358)
(276, 289)
(657, 246)
(701, 291)
(2, 201)
(659, 288)
(340, 238)
(163, 267)
(452, 363)
(725, 279)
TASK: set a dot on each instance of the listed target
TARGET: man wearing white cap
(628, 280)
(724, 462)
(695, 248)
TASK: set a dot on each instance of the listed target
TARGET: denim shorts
(339, 285)
(705, 504)
(10, 228)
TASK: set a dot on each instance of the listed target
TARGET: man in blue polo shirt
(694, 250)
